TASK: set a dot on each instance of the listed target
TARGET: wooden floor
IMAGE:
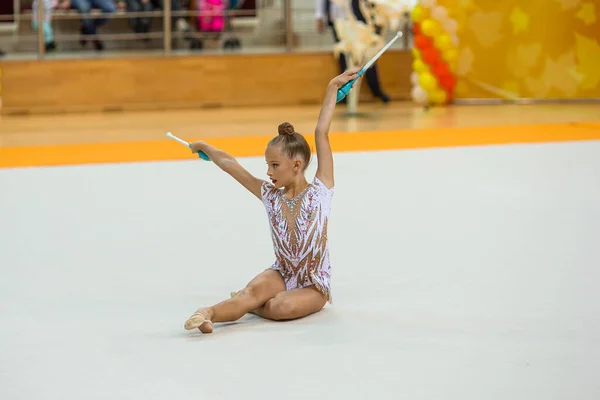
(114, 137)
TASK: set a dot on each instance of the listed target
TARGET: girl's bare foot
(201, 319)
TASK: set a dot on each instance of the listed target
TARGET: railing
(285, 35)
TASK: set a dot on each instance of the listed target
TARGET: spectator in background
(142, 24)
(138, 24)
(328, 11)
(89, 25)
(48, 5)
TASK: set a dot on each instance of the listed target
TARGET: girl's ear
(297, 164)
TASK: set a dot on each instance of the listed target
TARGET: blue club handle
(203, 156)
(344, 90)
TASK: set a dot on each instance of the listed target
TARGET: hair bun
(286, 129)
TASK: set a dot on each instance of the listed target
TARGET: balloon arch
(435, 53)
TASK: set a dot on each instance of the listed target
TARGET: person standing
(327, 12)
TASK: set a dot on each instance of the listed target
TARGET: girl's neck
(295, 188)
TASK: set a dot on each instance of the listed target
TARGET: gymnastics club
(344, 90)
(201, 154)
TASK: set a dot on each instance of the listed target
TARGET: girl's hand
(344, 78)
(197, 146)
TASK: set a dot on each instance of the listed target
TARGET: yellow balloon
(419, 66)
(427, 81)
(438, 96)
(430, 28)
(418, 14)
(443, 42)
(416, 53)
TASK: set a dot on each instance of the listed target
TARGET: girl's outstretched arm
(230, 165)
(324, 154)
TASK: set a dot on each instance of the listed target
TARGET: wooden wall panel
(182, 82)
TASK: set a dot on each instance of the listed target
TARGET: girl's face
(282, 170)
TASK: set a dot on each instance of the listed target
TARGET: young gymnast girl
(298, 283)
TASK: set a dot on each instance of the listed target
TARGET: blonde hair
(292, 143)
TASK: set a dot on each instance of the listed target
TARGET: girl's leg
(262, 288)
(297, 303)
(48, 32)
(294, 304)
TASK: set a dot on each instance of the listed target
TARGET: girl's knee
(279, 309)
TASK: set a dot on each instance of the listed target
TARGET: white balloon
(419, 95)
(414, 79)
(440, 14)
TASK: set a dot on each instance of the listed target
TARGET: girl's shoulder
(268, 190)
(320, 187)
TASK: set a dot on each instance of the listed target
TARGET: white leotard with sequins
(299, 233)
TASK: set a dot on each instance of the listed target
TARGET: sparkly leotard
(299, 233)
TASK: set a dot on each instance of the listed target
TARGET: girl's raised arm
(324, 154)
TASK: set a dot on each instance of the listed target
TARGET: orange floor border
(166, 149)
